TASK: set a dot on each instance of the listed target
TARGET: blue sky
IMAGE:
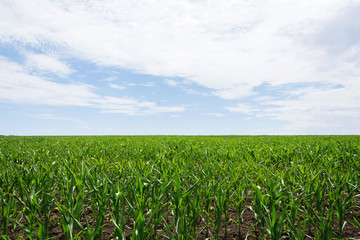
(71, 67)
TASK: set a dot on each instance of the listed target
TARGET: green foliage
(151, 187)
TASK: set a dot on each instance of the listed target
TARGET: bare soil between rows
(248, 229)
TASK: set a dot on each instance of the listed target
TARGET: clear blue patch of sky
(10, 52)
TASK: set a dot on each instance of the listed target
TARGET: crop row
(172, 187)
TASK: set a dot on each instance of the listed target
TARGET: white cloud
(19, 86)
(48, 64)
(242, 108)
(148, 84)
(174, 83)
(219, 45)
(227, 46)
(195, 92)
(320, 111)
(110, 79)
(171, 82)
(134, 107)
(116, 86)
(127, 84)
(324, 110)
(243, 90)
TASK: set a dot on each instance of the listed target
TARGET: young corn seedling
(73, 193)
(179, 201)
(208, 199)
(46, 195)
(318, 209)
(239, 198)
(273, 220)
(98, 188)
(314, 197)
(323, 224)
(156, 208)
(177, 208)
(194, 209)
(296, 225)
(343, 200)
(119, 216)
(357, 223)
(138, 204)
(221, 197)
(260, 209)
(8, 206)
(31, 209)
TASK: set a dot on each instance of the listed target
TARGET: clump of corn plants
(177, 187)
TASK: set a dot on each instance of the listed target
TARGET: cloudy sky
(179, 67)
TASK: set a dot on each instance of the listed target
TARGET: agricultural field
(180, 187)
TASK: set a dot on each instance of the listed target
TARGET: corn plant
(138, 204)
(98, 190)
(37, 201)
(8, 206)
(179, 187)
(342, 196)
(239, 196)
(194, 207)
(119, 215)
(275, 217)
(294, 223)
(357, 223)
(208, 199)
(156, 208)
(73, 195)
(221, 199)
(260, 208)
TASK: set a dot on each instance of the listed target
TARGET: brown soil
(248, 229)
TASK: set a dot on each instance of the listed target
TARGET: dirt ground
(248, 231)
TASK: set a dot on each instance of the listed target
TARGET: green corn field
(180, 187)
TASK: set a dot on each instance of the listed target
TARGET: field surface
(177, 187)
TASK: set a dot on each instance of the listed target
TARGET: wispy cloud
(310, 110)
(130, 84)
(228, 47)
(41, 62)
(18, 85)
(235, 92)
(130, 106)
(148, 84)
(184, 86)
(171, 82)
(110, 79)
(116, 86)
(195, 92)
(331, 110)
(243, 108)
